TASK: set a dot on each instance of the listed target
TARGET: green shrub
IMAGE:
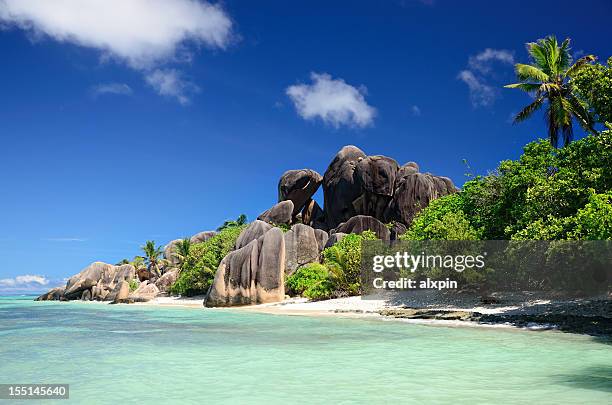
(133, 284)
(442, 219)
(199, 268)
(343, 261)
(311, 281)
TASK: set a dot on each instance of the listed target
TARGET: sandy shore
(527, 312)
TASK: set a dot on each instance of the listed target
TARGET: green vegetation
(199, 268)
(152, 257)
(547, 78)
(546, 194)
(240, 221)
(593, 84)
(311, 281)
(181, 251)
(133, 285)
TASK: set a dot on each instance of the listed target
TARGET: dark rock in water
(301, 247)
(281, 213)
(334, 238)
(322, 238)
(253, 274)
(202, 236)
(376, 177)
(253, 231)
(339, 186)
(298, 186)
(55, 294)
(360, 223)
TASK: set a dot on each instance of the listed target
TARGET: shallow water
(119, 353)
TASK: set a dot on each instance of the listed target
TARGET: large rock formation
(301, 247)
(96, 281)
(146, 291)
(281, 213)
(202, 236)
(253, 274)
(298, 186)
(339, 186)
(164, 282)
(169, 252)
(253, 231)
(360, 223)
(356, 184)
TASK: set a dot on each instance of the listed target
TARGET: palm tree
(241, 220)
(548, 80)
(181, 251)
(338, 266)
(152, 257)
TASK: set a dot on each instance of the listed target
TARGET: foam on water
(119, 353)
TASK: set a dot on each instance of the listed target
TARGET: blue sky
(162, 119)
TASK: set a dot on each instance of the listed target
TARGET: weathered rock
(413, 192)
(298, 186)
(86, 296)
(98, 292)
(252, 274)
(360, 223)
(99, 274)
(334, 238)
(339, 186)
(120, 292)
(376, 177)
(281, 213)
(322, 238)
(313, 215)
(143, 274)
(202, 236)
(164, 282)
(145, 292)
(169, 252)
(301, 247)
(253, 231)
(54, 294)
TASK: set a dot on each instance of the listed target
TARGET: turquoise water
(121, 353)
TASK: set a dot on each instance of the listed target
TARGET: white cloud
(481, 94)
(23, 281)
(112, 88)
(144, 34)
(332, 100)
(415, 110)
(480, 70)
(482, 61)
(169, 83)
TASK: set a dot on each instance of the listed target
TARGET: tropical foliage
(240, 221)
(181, 251)
(593, 84)
(546, 194)
(201, 263)
(152, 257)
(547, 79)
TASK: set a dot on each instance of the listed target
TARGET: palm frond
(529, 110)
(526, 87)
(538, 55)
(580, 64)
(564, 57)
(530, 72)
